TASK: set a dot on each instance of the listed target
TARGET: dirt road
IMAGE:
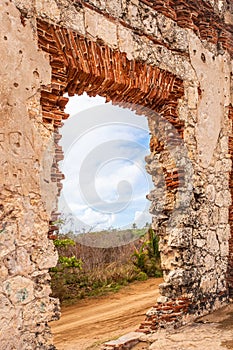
(92, 322)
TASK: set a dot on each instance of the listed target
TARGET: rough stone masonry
(169, 60)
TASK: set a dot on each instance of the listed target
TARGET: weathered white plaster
(213, 76)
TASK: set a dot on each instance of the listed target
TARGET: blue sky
(105, 178)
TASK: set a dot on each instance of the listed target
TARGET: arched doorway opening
(81, 65)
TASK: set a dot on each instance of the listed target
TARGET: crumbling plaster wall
(27, 196)
(194, 237)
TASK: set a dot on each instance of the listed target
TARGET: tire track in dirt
(94, 321)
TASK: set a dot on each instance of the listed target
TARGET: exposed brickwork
(198, 16)
(161, 315)
(171, 313)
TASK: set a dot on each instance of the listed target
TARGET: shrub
(147, 257)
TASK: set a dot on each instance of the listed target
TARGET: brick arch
(80, 64)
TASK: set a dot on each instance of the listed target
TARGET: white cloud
(100, 153)
(142, 217)
(77, 104)
(108, 179)
(95, 219)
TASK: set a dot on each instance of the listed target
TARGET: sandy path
(93, 321)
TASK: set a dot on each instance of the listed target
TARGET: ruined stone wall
(27, 196)
(169, 60)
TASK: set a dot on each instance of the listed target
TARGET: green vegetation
(84, 270)
(147, 257)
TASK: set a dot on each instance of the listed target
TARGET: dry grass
(103, 270)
